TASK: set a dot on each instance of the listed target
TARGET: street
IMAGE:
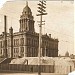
(17, 74)
(30, 74)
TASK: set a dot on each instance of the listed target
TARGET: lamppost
(42, 12)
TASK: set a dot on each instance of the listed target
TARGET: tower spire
(26, 3)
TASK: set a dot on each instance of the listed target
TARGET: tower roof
(26, 9)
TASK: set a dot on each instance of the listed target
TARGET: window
(33, 52)
(3, 43)
(0, 44)
(28, 52)
(28, 41)
(14, 55)
(32, 42)
(22, 41)
(16, 50)
(22, 49)
(16, 42)
(0, 51)
(35, 42)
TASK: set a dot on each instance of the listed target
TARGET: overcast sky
(59, 20)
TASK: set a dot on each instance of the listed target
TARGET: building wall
(49, 46)
(26, 45)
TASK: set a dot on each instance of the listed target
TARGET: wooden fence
(26, 68)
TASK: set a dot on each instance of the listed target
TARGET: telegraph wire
(58, 32)
(43, 28)
(9, 16)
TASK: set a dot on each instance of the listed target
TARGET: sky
(2, 2)
(59, 22)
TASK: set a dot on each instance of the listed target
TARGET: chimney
(11, 30)
(5, 36)
(11, 41)
(49, 35)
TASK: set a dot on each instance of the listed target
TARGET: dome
(27, 10)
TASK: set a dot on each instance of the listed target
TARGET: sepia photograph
(37, 37)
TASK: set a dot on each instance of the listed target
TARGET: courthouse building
(25, 43)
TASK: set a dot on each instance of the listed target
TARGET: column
(28, 25)
(24, 24)
(20, 25)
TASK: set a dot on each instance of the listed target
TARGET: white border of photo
(72, 73)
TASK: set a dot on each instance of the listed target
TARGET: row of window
(51, 47)
(49, 52)
(2, 43)
(49, 44)
(16, 42)
(16, 50)
(21, 49)
(15, 55)
(32, 52)
(32, 42)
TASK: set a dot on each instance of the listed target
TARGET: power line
(9, 16)
(44, 27)
(58, 32)
(47, 28)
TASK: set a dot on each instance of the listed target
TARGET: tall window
(32, 42)
(28, 41)
(22, 51)
(0, 51)
(16, 52)
(22, 41)
(28, 52)
(16, 42)
(0, 44)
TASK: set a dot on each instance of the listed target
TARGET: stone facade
(25, 43)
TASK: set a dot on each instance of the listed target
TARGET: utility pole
(42, 12)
